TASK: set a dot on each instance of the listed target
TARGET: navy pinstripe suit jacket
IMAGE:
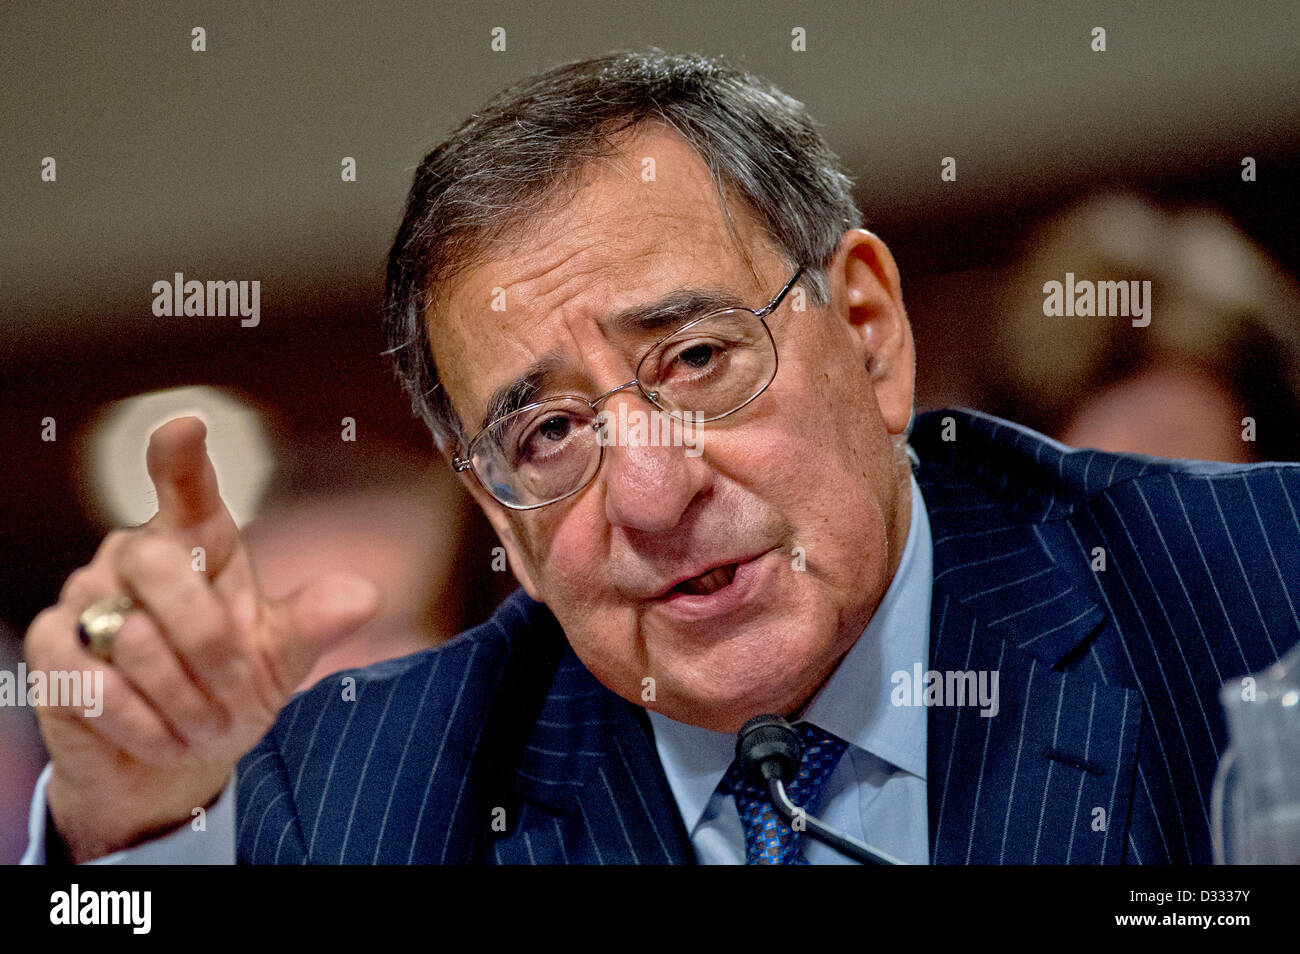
(1108, 686)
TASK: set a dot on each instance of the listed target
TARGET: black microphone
(769, 753)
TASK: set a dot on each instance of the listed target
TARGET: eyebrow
(676, 308)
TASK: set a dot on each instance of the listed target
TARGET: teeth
(709, 582)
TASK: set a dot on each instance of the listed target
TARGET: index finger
(189, 503)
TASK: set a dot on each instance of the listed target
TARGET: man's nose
(650, 475)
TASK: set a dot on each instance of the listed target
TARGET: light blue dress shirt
(877, 792)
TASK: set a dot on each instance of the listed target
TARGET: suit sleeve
(268, 832)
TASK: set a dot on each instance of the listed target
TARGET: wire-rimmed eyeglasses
(703, 371)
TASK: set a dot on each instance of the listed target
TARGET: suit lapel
(589, 787)
(1046, 779)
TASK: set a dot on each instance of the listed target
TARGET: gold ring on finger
(99, 623)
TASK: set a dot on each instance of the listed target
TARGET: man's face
(801, 496)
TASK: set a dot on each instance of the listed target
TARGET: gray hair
(504, 164)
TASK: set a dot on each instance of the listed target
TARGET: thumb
(315, 617)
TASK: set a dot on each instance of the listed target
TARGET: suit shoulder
(392, 734)
(463, 668)
(960, 451)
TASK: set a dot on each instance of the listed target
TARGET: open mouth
(731, 590)
(709, 582)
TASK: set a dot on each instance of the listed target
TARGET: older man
(661, 236)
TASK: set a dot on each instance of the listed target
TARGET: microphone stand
(844, 844)
(769, 751)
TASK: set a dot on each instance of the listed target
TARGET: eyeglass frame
(461, 464)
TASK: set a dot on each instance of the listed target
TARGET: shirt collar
(854, 704)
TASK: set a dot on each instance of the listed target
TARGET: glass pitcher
(1256, 799)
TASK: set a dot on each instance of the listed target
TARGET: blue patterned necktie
(768, 839)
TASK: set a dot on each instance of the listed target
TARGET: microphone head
(768, 747)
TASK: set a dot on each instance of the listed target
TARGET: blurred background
(225, 164)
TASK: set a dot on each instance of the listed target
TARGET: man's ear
(866, 294)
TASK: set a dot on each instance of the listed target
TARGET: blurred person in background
(1214, 375)
(395, 519)
(398, 523)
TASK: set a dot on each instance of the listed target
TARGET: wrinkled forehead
(642, 225)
